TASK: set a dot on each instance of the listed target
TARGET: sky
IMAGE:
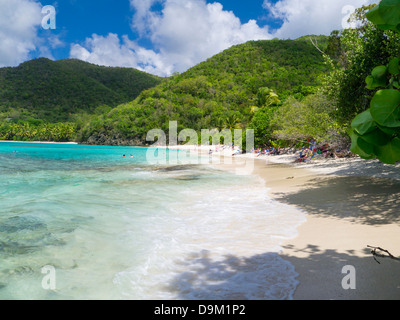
(156, 36)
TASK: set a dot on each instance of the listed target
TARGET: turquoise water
(115, 227)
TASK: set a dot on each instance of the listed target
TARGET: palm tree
(231, 120)
(266, 97)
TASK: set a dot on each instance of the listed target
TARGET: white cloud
(191, 31)
(19, 23)
(113, 52)
(143, 14)
(304, 17)
(105, 51)
(183, 33)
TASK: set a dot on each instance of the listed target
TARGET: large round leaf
(365, 146)
(394, 67)
(364, 123)
(378, 78)
(389, 131)
(386, 15)
(385, 108)
(355, 147)
(379, 72)
(377, 137)
(389, 153)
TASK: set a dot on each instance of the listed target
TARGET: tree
(261, 124)
(266, 97)
(312, 118)
(375, 132)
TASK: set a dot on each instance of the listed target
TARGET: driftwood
(377, 252)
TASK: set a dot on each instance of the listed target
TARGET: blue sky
(157, 36)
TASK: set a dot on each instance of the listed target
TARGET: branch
(380, 255)
(323, 53)
(316, 46)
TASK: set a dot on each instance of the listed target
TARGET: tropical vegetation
(341, 90)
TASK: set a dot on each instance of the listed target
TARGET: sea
(98, 222)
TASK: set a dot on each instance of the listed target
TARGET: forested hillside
(53, 91)
(223, 92)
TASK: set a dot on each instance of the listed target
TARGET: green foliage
(222, 92)
(386, 15)
(375, 132)
(55, 90)
(310, 119)
(261, 123)
(267, 97)
(25, 131)
(362, 50)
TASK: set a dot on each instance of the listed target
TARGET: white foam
(219, 243)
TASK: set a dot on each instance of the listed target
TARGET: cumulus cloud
(304, 17)
(19, 23)
(183, 33)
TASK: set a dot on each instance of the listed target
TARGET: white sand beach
(350, 204)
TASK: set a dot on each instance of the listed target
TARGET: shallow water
(124, 228)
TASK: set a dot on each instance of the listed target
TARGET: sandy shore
(349, 207)
(350, 204)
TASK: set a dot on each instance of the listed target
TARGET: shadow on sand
(372, 201)
(366, 200)
(251, 278)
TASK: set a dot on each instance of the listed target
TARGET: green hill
(52, 91)
(218, 93)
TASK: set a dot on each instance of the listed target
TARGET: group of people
(309, 153)
(266, 151)
(306, 154)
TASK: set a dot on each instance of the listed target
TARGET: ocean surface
(84, 222)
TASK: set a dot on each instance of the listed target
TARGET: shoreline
(350, 204)
(39, 142)
(341, 223)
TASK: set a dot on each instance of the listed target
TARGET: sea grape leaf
(394, 67)
(374, 15)
(376, 137)
(364, 123)
(355, 147)
(389, 131)
(389, 153)
(373, 83)
(386, 15)
(379, 71)
(385, 108)
(378, 78)
(390, 11)
(365, 146)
